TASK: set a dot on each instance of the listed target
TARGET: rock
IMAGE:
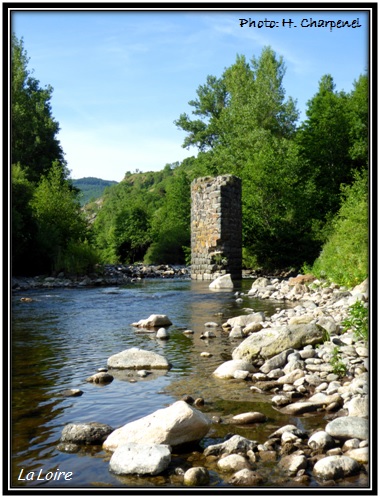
(233, 463)
(288, 428)
(245, 320)
(179, 423)
(248, 418)
(135, 358)
(291, 377)
(301, 279)
(348, 428)
(153, 321)
(272, 341)
(142, 373)
(301, 407)
(241, 374)
(71, 392)
(236, 332)
(291, 464)
(361, 455)
(196, 476)
(85, 433)
(246, 477)
(162, 333)
(227, 369)
(133, 458)
(321, 441)
(100, 378)
(277, 361)
(223, 282)
(336, 467)
(358, 407)
(236, 444)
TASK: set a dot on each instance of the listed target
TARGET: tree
(33, 128)
(57, 212)
(324, 139)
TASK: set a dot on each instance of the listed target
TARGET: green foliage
(344, 257)
(357, 320)
(91, 188)
(79, 258)
(339, 367)
(33, 130)
(58, 217)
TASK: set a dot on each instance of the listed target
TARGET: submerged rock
(85, 433)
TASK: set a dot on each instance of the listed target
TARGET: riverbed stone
(233, 463)
(277, 361)
(248, 418)
(85, 433)
(100, 378)
(358, 407)
(162, 333)
(291, 464)
(336, 467)
(136, 358)
(272, 341)
(133, 458)
(177, 424)
(222, 282)
(153, 321)
(196, 476)
(361, 455)
(246, 477)
(236, 444)
(245, 320)
(348, 428)
(227, 369)
(321, 441)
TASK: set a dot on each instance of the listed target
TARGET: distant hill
(91, 188)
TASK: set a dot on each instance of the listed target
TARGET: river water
(64, 335)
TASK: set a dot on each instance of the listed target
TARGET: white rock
(133, 458)
(153, 321)
(227, 369)
(135, 358)
(233, 463)
(335, 467)
(223, 282)
(179, 423)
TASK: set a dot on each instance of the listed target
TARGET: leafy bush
(357, 320)
(344, 257)
(78, 258)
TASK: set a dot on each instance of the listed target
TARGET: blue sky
(121, 78)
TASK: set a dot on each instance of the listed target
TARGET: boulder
(336, 467)
(133, 458)
(153, 321)
(348, 428)
(223, 282)
(322, 441)
(135, 358)
(162, 333)
(177, 424)
(85, 433)
(273, 341)
(227, 369)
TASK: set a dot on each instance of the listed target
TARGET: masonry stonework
(216, 227)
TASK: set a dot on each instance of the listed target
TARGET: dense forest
(91, 188)
(305, 186)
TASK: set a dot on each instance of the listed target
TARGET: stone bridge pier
(216, 227)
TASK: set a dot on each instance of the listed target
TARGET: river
(65, 335)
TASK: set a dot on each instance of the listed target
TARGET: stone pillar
(216, 227)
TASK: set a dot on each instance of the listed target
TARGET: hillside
(91, 188)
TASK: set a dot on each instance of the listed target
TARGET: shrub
(344, 256)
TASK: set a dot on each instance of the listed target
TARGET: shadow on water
(64, 335)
